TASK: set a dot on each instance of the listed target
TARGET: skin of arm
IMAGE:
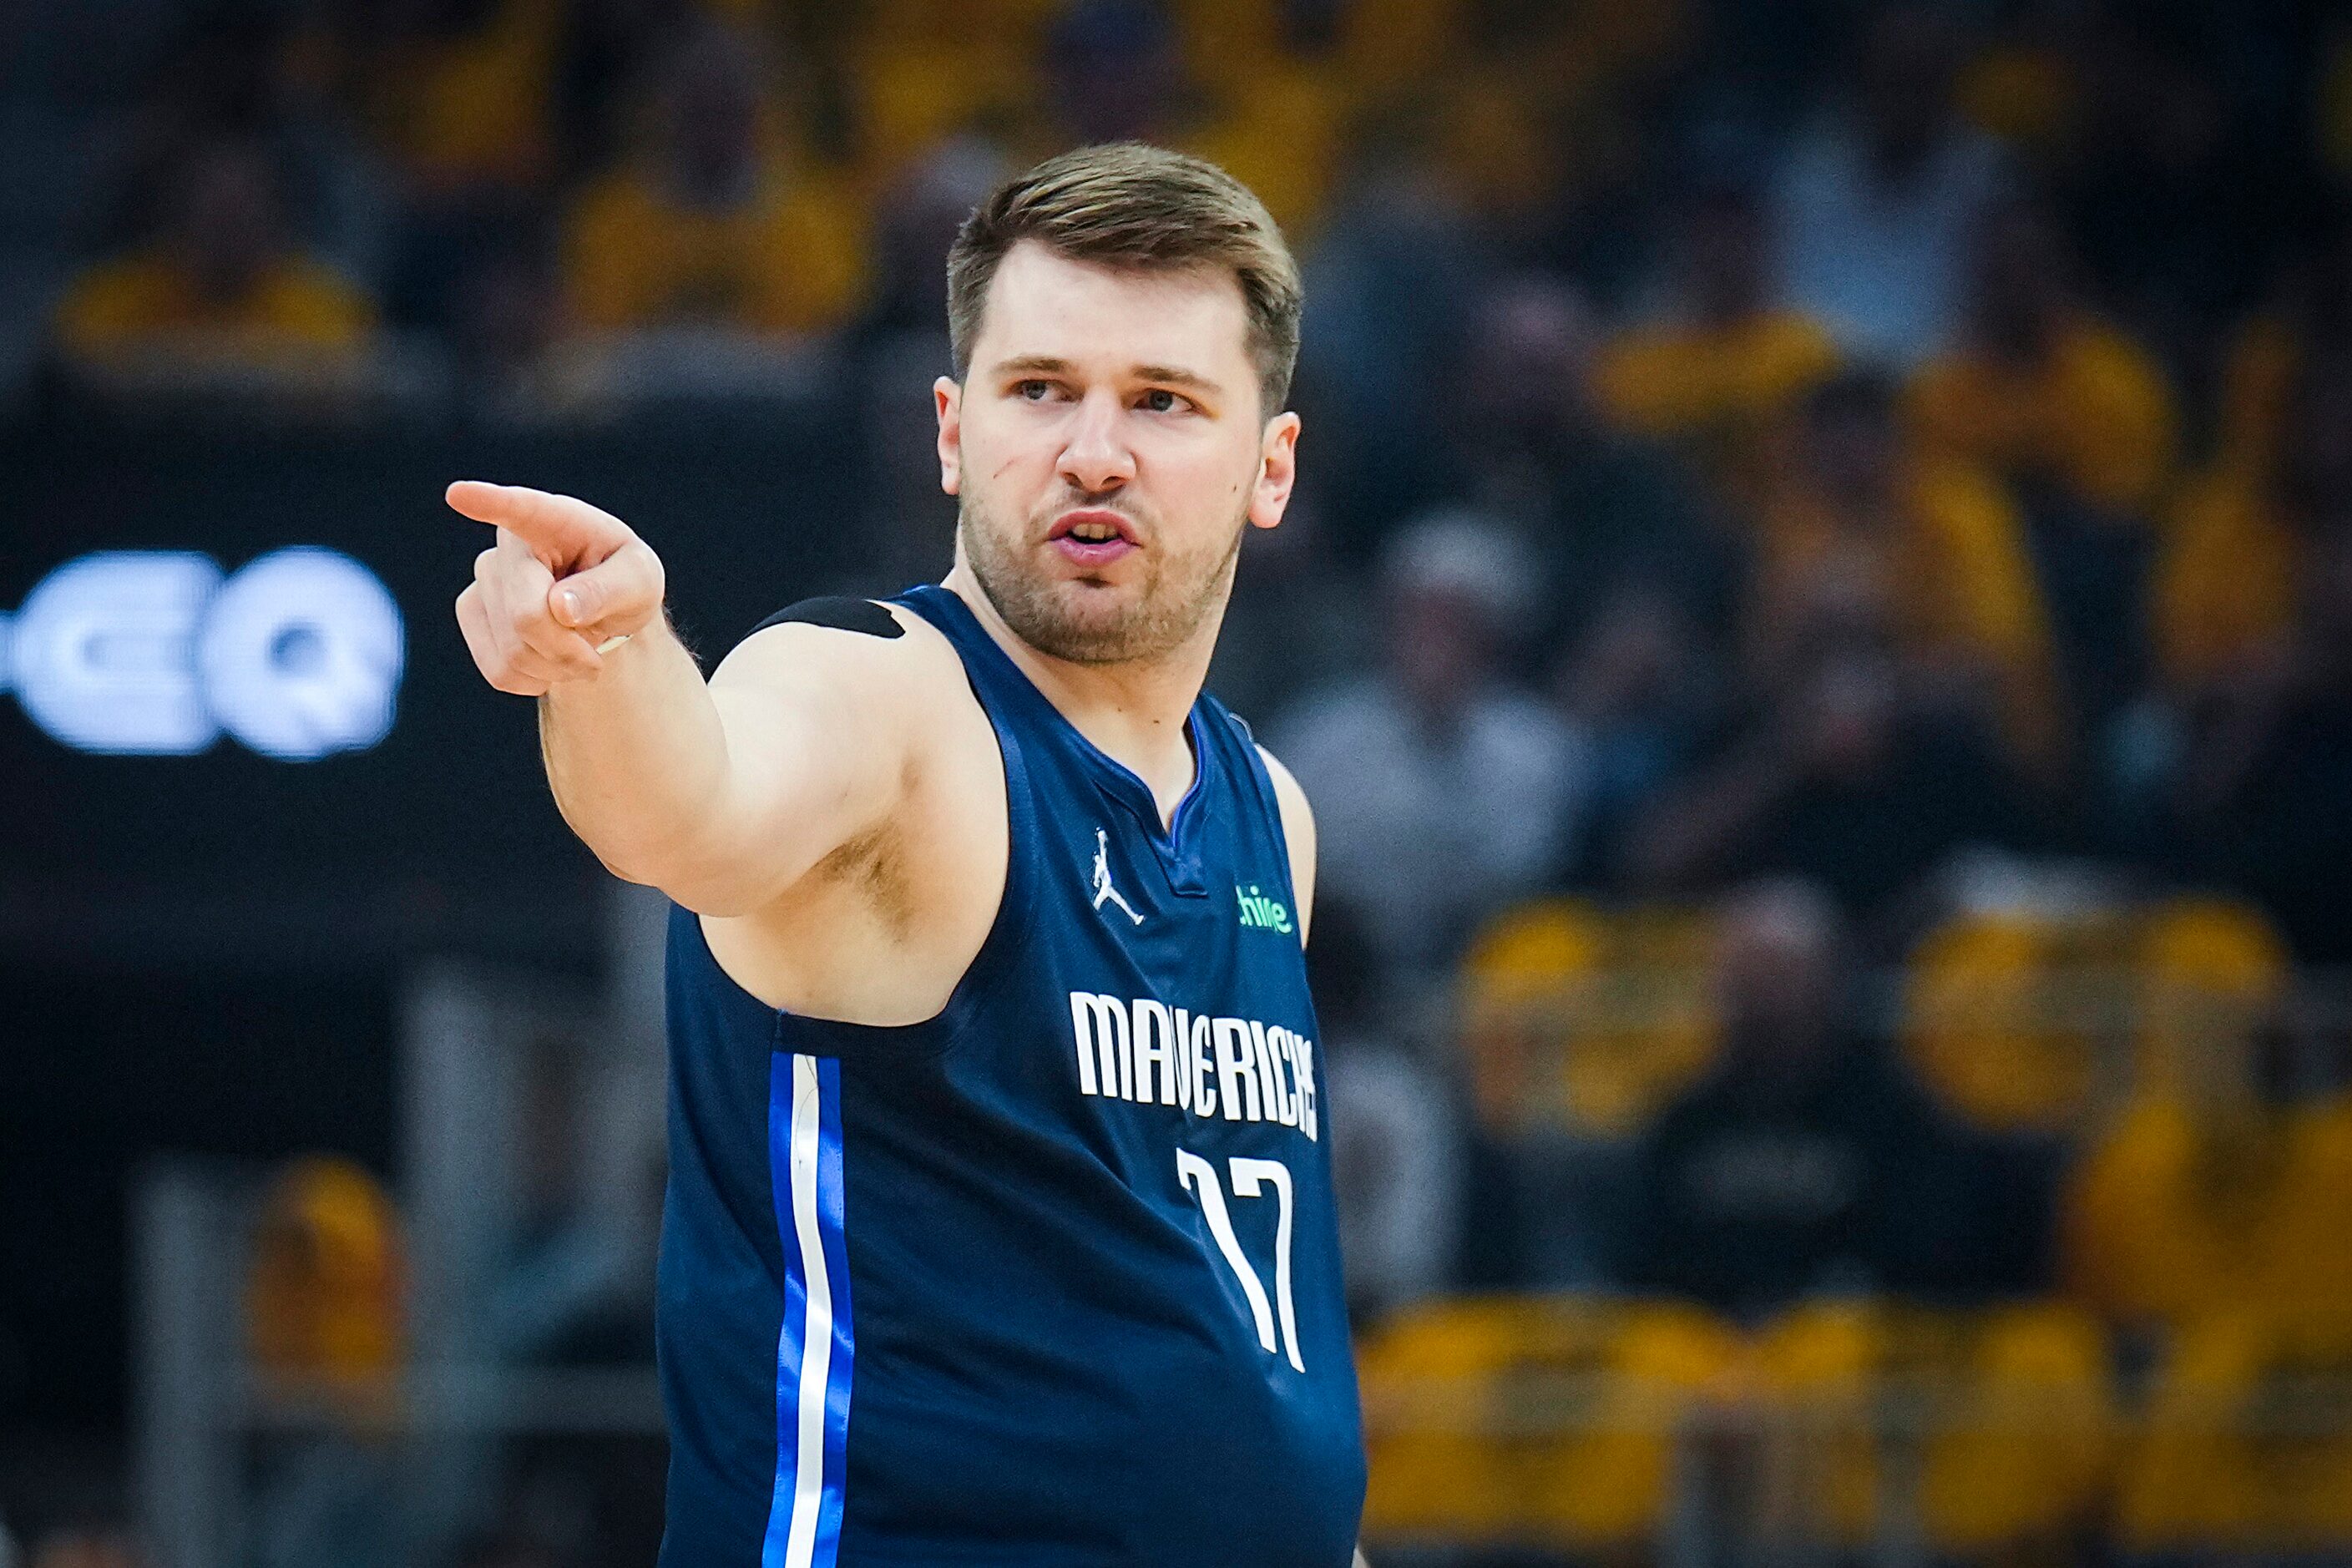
(725, 794)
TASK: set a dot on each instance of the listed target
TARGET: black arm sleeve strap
(848, 613)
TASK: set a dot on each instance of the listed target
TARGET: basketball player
(999, 1226)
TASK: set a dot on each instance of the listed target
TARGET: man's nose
(1095, 457)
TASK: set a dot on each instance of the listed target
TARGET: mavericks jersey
(1052, 1279)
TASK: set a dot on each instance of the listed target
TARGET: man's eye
(1160, 400)
(1034, 391)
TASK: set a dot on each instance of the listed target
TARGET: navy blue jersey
(1053, 1278)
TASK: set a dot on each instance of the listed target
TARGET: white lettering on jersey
(1196, 1067)
(1155, 1050)
(1146, 1052)
(1100, 1024)
(1236, 1073)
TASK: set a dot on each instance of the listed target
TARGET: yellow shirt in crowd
(146, 300)
(1692, 379)
(2095, 414)
(2171, 1219)
(791, 258)
(468, 110)
(1952, 574)
(1722, 390)
(2223, 586)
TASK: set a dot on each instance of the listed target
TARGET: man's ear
(947, 400)
(1278, 470)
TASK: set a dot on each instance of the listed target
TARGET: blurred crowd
(1817, 625)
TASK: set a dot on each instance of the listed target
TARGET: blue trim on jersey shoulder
(816, 1345)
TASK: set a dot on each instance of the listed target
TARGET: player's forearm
(637, 760)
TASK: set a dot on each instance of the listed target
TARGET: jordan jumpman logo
(1103, 890)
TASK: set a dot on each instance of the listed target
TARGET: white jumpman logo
(1103, 890)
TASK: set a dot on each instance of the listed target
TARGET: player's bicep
(1298, 832)
(816, 738)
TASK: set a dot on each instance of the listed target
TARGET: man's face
(1105, 448)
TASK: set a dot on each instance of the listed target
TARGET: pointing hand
(564, 580)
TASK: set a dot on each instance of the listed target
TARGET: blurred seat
(1997, 1024)
(2212, 971)
(1527, 1419)
(2001, 1419)
(2023, 1451)
(1585, 1021)
(324, 1300)
(2247, 1442)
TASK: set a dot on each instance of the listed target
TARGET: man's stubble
(1178, 594)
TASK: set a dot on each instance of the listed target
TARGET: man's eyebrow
(1047, 364)
(1174, 376)
(1042, 365)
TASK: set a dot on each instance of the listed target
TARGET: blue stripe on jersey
(814, 1347)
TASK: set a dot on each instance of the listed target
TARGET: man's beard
(1054, 615)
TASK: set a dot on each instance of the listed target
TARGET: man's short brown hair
(1128, 205)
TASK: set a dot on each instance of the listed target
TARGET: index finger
(561, 523)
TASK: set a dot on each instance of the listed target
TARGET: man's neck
(1133, 712)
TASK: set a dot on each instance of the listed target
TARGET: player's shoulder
(868, 649)
(1297, 815)
(1285, 783)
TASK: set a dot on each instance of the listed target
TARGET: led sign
(298, 654)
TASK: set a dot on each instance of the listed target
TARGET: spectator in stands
(1639, 691)
(901, 343)
(602, 49)
(1439, 790)
(915, 220)
(1725, 362)
(2080, 421)
(2223, 593)
(2223, 1197)
(2039, 388)
(1873, 206)
(1219, 82)
(459, 93)
(1389, 295)
(1805, 1161)
(1861, 537)
(456, 100)
(1396, 1155)
(715, 221)
(2172, 194)
(1113, 72)
(221, 285)
(2268, 784)
(1838, 776)
(1528, 444)
(2310, 319)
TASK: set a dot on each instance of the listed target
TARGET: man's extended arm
(722, 794)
